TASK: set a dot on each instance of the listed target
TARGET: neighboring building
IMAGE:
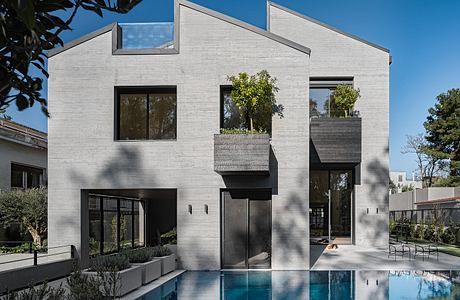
(400, 180)
(135, 149)
(23, 156)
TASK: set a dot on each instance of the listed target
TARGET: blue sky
(422, 35)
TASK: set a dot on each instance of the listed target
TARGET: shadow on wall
(122, 170)
(377, 183)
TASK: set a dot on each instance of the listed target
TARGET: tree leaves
(28, 28)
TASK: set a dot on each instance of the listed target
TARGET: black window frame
(141, 90)
(222, 90)
(328, 83)
(26, 169)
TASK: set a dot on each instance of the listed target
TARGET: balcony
(242, 154)
(335, 140)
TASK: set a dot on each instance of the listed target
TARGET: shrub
(169, 237)
(23, 248)
(241, 131)
(449, 235)
(393, 228)
(110, 263)
(429, 233)
(82, 286)
(413, 231)
(141, 255)
(160, 251)
(42, 292)
(420, 232)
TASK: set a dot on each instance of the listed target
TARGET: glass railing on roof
(147, 35)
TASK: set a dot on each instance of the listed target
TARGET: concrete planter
(151, 270)
(130, 279)
(168, 263)
(241, 154)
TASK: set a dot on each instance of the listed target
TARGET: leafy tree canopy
(443, 129)
(255, 97)
(28, 28)
(344, 97)
(28, 207)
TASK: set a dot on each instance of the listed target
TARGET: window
(321, 90)
(146, 113)
(400, 178)
(230, 115)
(25, 177)
(114, 224)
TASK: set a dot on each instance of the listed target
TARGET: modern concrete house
(23, 156)
(401, 180)
(136, 150)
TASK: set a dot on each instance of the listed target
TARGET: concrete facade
(335, 54)
(400, 180)
(84, 155)
(20, 145)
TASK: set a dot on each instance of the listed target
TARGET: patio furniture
(399, 249)
(426, 251)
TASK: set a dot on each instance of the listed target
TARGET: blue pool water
(317, 285)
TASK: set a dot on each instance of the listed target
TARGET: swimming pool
(317, 285)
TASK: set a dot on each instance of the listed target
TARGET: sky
(423, 37)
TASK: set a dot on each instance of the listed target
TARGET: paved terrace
(350, 257)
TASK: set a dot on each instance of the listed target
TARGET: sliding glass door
(246, 229)
(331, 206)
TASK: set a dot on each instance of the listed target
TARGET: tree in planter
(28, 207)
(255, 97)
(345, 97)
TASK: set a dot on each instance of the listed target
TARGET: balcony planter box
(151, 270)
(168, 263)
(242, 154)
(129, 280)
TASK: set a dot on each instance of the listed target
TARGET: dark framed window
(321, 90)
(229, 113)
(146, 113)
(115, 224)
(26, 177)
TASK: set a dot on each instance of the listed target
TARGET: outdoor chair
(426, 251)
(399, 249)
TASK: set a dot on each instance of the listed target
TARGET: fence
(426, 216)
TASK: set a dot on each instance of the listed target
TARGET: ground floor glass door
(246, 229)
(331, 206)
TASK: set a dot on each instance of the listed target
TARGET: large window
(321, 89)
(114, 224)
(146, 113)
(25, 177)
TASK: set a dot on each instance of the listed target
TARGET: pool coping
(153, 285)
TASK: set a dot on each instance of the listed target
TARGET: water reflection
(264, 285)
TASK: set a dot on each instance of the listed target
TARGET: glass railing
(147, 35)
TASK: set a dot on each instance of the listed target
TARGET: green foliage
(429, 233)
(420, 232)
(28, 207)
(140, 255)
(42, 292)
(407, 188)
(169, 237)
(23, 248)
(117, 262)
(393, 228)
(159, 251)
(241, 131)
(255, 97)
(345, 97)
(392, 187)
(28, 29)
(81, 286)
(443, 129)
(449, 235)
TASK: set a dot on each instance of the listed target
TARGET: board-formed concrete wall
(84, 155)
(11, 152)
(334, 54)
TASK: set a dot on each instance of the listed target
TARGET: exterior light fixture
(190, 209)
(206, 209)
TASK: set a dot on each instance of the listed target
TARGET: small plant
(448, 236)
(429, 233)
(160, 251)
(41, 292)
(110, 263)
(241, 131)
(141, 255)
(420, 232)
(345, 97)
(169, 237)
(82, 286)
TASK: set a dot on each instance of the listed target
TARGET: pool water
(316, 285)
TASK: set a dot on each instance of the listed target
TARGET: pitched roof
(270, 3)
(18, 133)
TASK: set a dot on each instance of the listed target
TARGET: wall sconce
(189, 209)
(206, 209)
(368, 210)
(377, 210)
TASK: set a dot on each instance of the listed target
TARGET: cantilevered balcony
(241, 154)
